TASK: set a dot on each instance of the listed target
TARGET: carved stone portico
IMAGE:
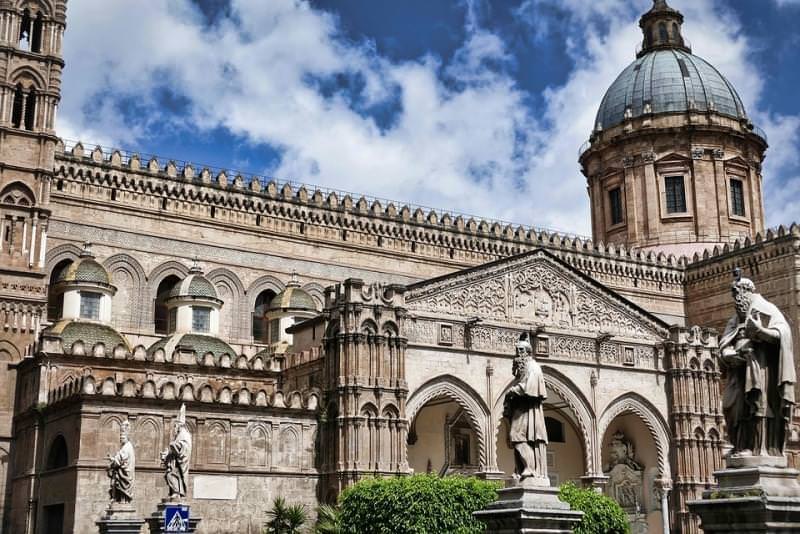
(602, 357)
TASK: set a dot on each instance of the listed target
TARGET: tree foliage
(329, 520)
(602, 515)
(418, 504)
(285, 518)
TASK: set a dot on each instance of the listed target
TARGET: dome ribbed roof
(85, 269)
(293, 298)
(668, 81)
(195, 285)
(89, 333)
(201, 344)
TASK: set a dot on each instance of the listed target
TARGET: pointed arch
(460, 392)
(652, 419)
(231, 290)
(129, 278)
(55, 255)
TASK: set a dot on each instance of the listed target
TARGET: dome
(85, 269)
(195, 285)
(668, 80)
(199, 343)
(293, 298)
(90, 333)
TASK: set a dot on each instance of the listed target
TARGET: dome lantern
(662, 29)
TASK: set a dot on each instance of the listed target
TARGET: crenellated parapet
(246, 203)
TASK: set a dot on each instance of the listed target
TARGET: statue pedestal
(120, 519)
(751, 498)
(531, 507)
(156, 520)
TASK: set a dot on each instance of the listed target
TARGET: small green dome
(195, 285)
(199, 343)
(293, 298)
(90, 333)
(85, 269)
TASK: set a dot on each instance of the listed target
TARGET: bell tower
(31, 35)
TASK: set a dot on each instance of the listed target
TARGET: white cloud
(464, 137)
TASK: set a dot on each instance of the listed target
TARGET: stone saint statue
(176, 457)
(756, 351)
(121, 468)
(523, 407)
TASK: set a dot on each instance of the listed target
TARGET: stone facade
(402, 354)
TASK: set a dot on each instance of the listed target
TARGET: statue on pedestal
(756, 351)
(523, 407)
(121, 468)
(176, 457)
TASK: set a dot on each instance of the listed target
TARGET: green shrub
(602, 515)
(329, 520)
(418, 504)
(285, 518)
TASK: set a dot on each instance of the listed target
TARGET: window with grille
(615, 200)
(676, 194)
(737, 197)
(201, 319)
(173, 320)
(90, 305)
(274, 330)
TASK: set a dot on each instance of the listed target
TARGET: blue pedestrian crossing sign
(176, 519)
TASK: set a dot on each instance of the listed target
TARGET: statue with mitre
(121, 468)
(176, 457)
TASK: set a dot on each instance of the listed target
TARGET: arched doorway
(634, 447)
(448, 428)
(442, 439)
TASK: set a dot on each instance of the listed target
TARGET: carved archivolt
(534, 289)
(459, 392)
(633, 403)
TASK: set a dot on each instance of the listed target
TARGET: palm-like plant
(286, 518)
(329, 520)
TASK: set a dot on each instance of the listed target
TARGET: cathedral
(316, 337)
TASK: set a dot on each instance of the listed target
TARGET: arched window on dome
(55, 301)
(160, 311)
(676, 32)
(260, 330)
(663, 35)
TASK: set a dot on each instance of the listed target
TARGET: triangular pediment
(673, 157)
(534, 289)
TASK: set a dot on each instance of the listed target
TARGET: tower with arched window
(30, 37)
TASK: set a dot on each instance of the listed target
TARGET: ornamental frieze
(496, 339)
(533, 291)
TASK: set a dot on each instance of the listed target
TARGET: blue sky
(475, 106)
